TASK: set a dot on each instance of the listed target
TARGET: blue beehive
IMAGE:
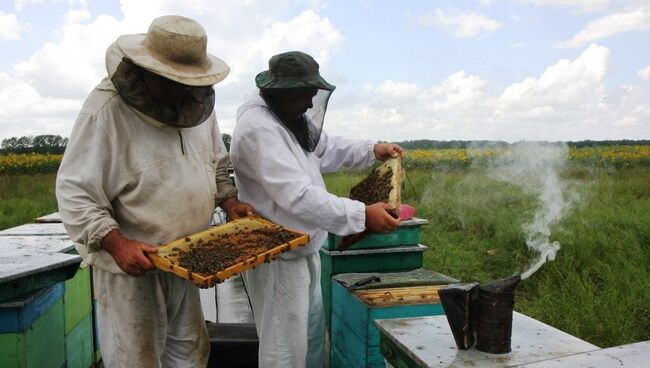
(360, 298)
(393, 259)
(32, 329)
(407, 233)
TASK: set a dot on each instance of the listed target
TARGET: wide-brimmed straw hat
(175, 47)
(293, 69)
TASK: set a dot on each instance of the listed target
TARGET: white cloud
(25, 112)
(607, 26)
(405, 108)
(20, 100)
(645, 73)
(626, 121)
(69, 67)
(566, 83)
(10, 28)
(465, 24)
(566, 101)
(636, 118)
(74, 65)
(580, 5)
(19, 5)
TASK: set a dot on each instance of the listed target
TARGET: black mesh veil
(315, 118)
(308, 127)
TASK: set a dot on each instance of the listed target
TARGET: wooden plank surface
(631, 355)
(37, 244)
(35, 229)
(52, 217)
(17, 263)
(428, 342)
(400, 296)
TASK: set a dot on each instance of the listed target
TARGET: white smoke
(536, 167)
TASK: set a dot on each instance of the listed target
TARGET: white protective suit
(155, 183)
(284, 184)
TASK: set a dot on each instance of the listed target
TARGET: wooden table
(428, 342)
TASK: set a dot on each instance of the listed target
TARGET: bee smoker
(481, 314)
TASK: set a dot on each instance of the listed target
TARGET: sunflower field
(600, 156)
(29, 163)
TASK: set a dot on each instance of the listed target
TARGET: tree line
(55, 144)
(433, 144)
(47, 144)
(51, 144)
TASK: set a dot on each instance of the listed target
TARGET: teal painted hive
(359, 299)
(404, 258)
(32, 330)
(77, 298)
(79, 346)
(408, 233)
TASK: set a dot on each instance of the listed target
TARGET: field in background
(598, 288)
(25, 197)
(599, 156)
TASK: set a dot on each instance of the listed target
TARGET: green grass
(598, 287)
(23, 198)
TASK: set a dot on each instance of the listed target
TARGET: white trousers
(288, 310)
(150, 321)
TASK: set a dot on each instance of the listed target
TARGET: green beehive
(408, 233)
(31, 330)
(404, 258)
(77, 298)
(360, 299)
(79, 347)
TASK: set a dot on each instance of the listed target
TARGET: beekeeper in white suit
(146, 165)
(279, 152)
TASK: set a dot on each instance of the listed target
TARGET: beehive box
(168, 256)
(32, 329)
(77, 303)
(353, 335)
(31, 263)
(407, 233)
(79, 344)
(403, 258)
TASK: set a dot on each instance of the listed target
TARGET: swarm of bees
(226, 250)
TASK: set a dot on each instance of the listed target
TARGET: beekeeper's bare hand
(384, 151)
(378, 219)
(130, 255)
(236, 209)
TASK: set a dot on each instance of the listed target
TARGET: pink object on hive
(406, 212)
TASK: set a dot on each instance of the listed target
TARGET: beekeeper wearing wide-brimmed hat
(145, 165)
(279, 151)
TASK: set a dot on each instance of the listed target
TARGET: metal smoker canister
(494, 322)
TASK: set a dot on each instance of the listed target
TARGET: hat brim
(209, 71)
(264, 80)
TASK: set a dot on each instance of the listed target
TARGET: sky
(442, 70)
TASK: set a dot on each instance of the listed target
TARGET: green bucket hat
(293, 69)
